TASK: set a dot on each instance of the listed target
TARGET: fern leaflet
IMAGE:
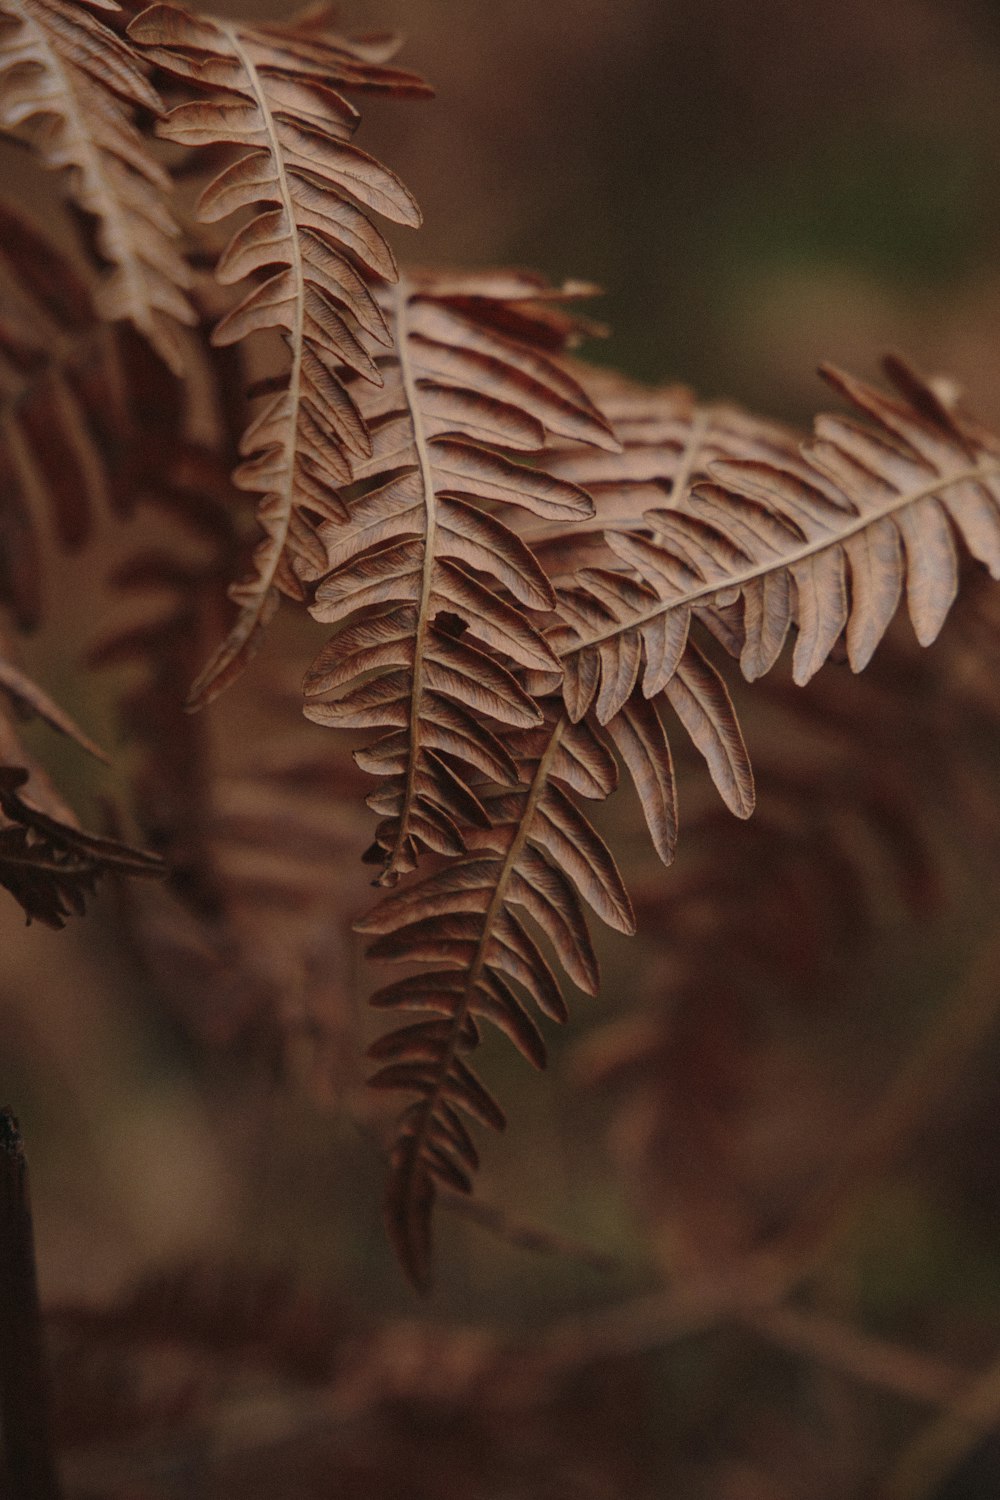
(312, 193)
(71, 88)
(420, 572)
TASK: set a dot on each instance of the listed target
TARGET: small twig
(524, 1236)
(692, 1307)
(27, 1469)
(938, 1450)
(873, 1361)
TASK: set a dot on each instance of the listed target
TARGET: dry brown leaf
(827, 544)
(50, 866)
(312, 193)
(420, 574)
(72, 88)
(465, 921)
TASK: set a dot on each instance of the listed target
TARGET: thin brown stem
(28, 1468)
(823, 1340)
(939, 1448)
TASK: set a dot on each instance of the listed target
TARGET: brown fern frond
(827, 545)
(71, 87)
(51, 866)
(276, 98)
(67, 446)
(668, 440)
(537, 852)
(534, 856)
(173, 586)
(421, 574)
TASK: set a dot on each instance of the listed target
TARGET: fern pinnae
(276, 99)
(461, 920)
(826, 543)
(409, 1197)
(263, 598)
(551, 860)
(668, 440)
(71, 88)
(429, 584)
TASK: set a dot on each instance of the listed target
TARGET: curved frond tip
(535, 859)
(827, 544)
(312, 251)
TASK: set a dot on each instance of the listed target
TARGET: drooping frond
(275, 97)
(535, 858)
(539, 858)
(167, 600)
(70, 389)
(67, 449)
(429, 585)
(71, 87)
(49, 865)
(826, 544)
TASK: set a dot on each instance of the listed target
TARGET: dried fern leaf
(71, 87)
(50, 866)
(827, 544)
(536, 858)
(312, 193)
(668, 440)
(430, 587)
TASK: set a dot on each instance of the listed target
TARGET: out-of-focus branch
(753, 1293)
(524, 1236)
(872, 1361)
(926, 1078)
(940, 1447)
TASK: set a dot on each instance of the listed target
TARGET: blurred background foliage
(790, 1078)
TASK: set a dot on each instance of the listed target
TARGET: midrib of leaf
(401, 312)
(46, 863)
(91, 169)
(810, 549)
(287, 493)
(430, 1103)
(690, 453)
